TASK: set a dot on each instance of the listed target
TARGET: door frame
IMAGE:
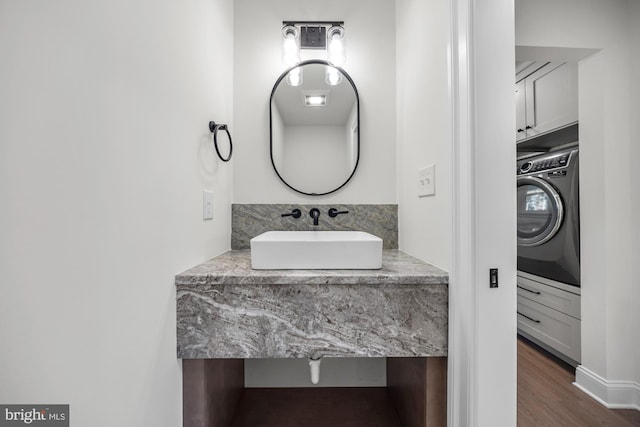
(482, 321)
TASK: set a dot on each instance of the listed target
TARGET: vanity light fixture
(336, 51)
(333, 76)
(290, 45)
(335, 54)
(294, 78)
(291, 53)
(315, 35)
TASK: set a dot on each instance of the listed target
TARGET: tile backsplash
(250, 220)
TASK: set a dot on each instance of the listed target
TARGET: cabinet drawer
(554, 298)
(553, 328)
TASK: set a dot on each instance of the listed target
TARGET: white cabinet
(551, 296)
(521, 111)
(549, 314)
(551, 327)
(546, 99)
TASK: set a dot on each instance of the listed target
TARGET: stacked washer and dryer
(548, 213)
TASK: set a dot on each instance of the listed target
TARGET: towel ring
(214, 128)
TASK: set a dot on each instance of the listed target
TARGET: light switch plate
(207, 205)
(427, 181)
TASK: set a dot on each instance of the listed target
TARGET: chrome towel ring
(214, 128)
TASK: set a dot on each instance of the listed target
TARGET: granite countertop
(225, 309)
(234, 268)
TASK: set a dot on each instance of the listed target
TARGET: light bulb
(290, 46)
(336, 52)
(333, 76)
(294, 77)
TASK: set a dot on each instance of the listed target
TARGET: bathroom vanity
(227, 312)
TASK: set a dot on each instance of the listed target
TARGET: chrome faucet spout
(315, 214)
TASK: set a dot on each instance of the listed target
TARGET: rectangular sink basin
(278, 250)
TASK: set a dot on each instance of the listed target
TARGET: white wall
(423, 127)
(277, 128)
(351, 135)
(308, 150)
(370, 33)
(334, 372)
(634, 17)
(608, 94)
(104, 155)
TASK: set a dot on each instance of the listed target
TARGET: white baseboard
(612, 394)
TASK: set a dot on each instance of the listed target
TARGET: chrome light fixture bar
(316, 35)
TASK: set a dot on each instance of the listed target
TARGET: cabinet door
(521, 118)
(551, 98)
(551, 327)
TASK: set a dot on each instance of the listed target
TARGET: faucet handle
(296, 213)
(333, 212)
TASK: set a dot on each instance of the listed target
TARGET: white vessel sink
(277, 250)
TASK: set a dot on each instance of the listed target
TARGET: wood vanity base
(416, 396)
(418, 388)
(211, 390)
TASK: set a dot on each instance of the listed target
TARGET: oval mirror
(314, 122)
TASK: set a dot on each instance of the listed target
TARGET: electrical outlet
(207, 205)
(427, 181)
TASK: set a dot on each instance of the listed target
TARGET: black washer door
(540, 211)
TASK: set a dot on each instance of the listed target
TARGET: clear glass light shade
(290, 46)
(336, 49)
(333, 76)
(294, 77)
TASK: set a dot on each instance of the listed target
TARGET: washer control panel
(543, 164)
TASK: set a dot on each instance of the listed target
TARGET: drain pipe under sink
(314, 366)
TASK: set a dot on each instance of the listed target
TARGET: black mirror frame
(355, 90)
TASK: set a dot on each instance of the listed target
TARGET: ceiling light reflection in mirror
(314, 129)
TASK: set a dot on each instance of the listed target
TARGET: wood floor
(316, 407)
(547, 397)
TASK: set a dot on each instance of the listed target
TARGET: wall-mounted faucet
(333, 212)
(315, 214)
(296, 213)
